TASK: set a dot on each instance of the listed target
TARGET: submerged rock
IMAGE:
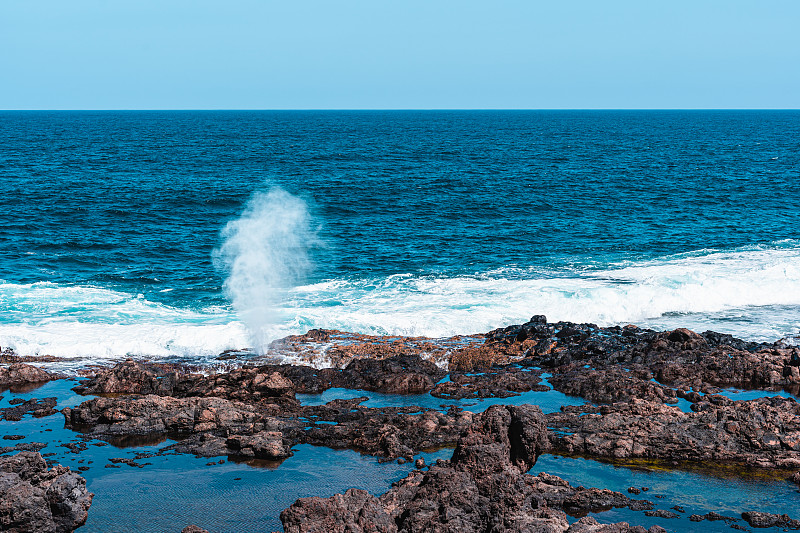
(35, 407)
(37, 500)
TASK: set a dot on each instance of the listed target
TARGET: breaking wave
(751, 292)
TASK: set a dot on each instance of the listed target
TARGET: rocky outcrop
(494, 384)
(217, 426)
(611, 384)
(588, 524)
(764, 433)
(159, 415)
(757, 519)
(402, 374)
(193, 529)
(680, 358)
(209, 426)
(483, 488)
(37, 500)
(22, 374)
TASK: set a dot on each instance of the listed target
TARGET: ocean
(184, 234)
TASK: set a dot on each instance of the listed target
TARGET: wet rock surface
(679, 359)
(37, 408)
(401, 374)
(633, 377)
(483, 488)
(764, 433)
(491, 384)
(215, 426)
(37, 500)
(763, 520)
(17, 374)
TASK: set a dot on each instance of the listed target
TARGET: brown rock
(20, 374)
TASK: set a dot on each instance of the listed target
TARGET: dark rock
(764, 432)
(609, 385)
(661, 513)
(760, 520)
(35, 499)
(23, 447)
(401, 374)
(590, 525)
(263, 445)
(483, 488)
(37, 408)
(496, 384)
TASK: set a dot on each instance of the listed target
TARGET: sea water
(184, 234)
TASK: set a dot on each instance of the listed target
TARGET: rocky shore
(654, 396)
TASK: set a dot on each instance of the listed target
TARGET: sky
(404, 54)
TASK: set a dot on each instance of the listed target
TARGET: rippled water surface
(428, 223)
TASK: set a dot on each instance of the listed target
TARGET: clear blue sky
(375, 54)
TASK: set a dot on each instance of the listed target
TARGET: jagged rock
(37, 500)
(209, 426)
(23, 447)
(497, 384)
(21, 374)
(483, 488)
(764, 432)
(757, 519)
(263, 445)
(401, 374)
(611, 384)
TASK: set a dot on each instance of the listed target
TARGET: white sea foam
(97, 323)
(753, 293)
(265, 253)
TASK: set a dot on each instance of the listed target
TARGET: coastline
(632, 399)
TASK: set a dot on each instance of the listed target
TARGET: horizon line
(414, 109)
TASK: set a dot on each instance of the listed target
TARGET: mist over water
(265, 252)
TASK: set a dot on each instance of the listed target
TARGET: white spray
(265, 252)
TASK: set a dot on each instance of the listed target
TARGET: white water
(265, 253)
(752, 293)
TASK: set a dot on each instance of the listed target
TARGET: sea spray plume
(265, 252)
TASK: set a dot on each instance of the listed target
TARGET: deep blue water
(422, 222)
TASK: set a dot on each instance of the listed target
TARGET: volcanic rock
(37, 408)
(757, 519)
(37, 500)
(764, 432)
(483, 488)
(22, 374)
